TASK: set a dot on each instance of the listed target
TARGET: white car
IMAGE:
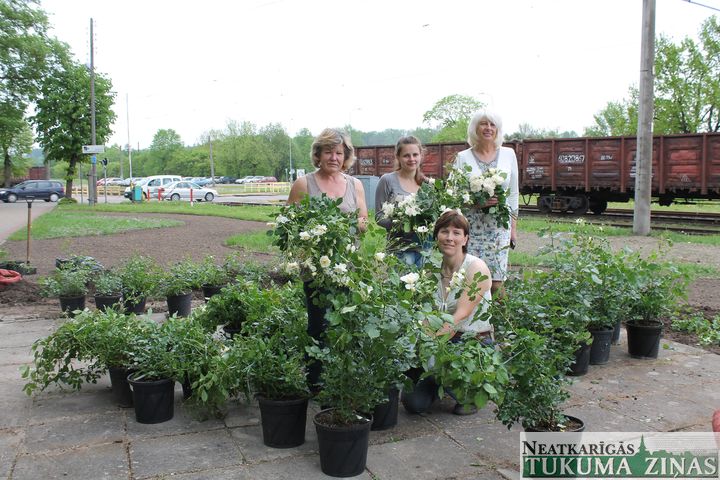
(181, 191)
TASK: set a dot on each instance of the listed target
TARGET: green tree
(166, 144)
(452, 115)
(63, 117)
(525, 130)
(15, 142)
(687, 89)
(24, 50)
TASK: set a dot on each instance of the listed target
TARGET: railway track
(688, 222)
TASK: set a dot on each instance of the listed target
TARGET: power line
(703, 5)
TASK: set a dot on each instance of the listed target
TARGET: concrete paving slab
(409, 426)
(48, 407)
(230, 473)
(87, 463)
(492, 444)
(192, 452)
(295, 468)
(70, 433)
(249, 441)
(242, 415)
(182, 422)
(10, 441)
(429, 457)
(15, 355)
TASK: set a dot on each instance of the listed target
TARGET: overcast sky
(376, 64)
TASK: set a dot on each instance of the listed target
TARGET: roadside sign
(90, 149)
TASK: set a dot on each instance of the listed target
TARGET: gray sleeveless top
(349, 202)
(447, 302)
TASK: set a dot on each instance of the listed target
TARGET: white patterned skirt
(490, 242)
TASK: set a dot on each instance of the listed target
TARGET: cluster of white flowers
(388, 208)
(486, 182)
(457, 282)
(316, 232)
(380, 256)
(409, 206)
(422, 229)
(410, 280)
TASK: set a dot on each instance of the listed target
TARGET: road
(13, 216)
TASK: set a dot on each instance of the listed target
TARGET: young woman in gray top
(405, 180)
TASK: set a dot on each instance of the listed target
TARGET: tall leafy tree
(24, 50)
(452, 115)
(165, 146)
(63, 116)
(687, 89)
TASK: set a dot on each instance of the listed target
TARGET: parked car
(269, 180)
(248, 179)
(203, 181)
(150, 185)
(226, 179)
(181, 191)
(109, 181)
(48, 190)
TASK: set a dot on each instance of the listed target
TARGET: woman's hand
(492, 201)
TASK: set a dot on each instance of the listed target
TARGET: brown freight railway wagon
(577, 174)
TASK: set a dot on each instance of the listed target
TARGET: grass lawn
(253, 241)
(61, 222)
(249, 212)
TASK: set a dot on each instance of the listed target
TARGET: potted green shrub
(270, 356)
(177, 285)
(654, 287)
(69, 286)
(65, 357)
(140, 277)
(228, 309)
(107, 289)
(539, 325)
(156, 368)
(213, 277)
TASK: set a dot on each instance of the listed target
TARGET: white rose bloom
(411, 211)
(492, 171)
(305, 236)
(410, 279)
(292, 267)
(444, 209)
(340, 268)
(380, 256)
(325, 261)
(421, 229)
(450, 192)
(369, 289)
(282, 219)
(475, 184)
(271, 224)
(388, 209)
(498, 179)
(466, 197)
(319, 230)
(410, 286)
(312, 268)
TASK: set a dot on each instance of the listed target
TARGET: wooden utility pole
(643, 156)
(92, 191)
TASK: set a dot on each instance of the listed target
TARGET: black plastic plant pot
(343, 448)
(385, 415)
(69, 304)
(616, 333)
(578, 426)
(230, 332)
(120, 386)
(210, 290)
(600, 348)
(135, 306)
(283, 422)
(643, 338)
(106, 302)
(154, 400)
(180, 305)
(582, 361)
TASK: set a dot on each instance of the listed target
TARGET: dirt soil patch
(200, 236)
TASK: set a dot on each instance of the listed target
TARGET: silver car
(181, 191)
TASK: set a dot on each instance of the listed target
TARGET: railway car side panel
(604, 159)
(536, 165)
(712, 166)
(570, 163)
(681, 164)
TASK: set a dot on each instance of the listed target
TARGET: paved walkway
(84, 435)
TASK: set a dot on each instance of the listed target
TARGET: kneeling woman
(459, 272)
